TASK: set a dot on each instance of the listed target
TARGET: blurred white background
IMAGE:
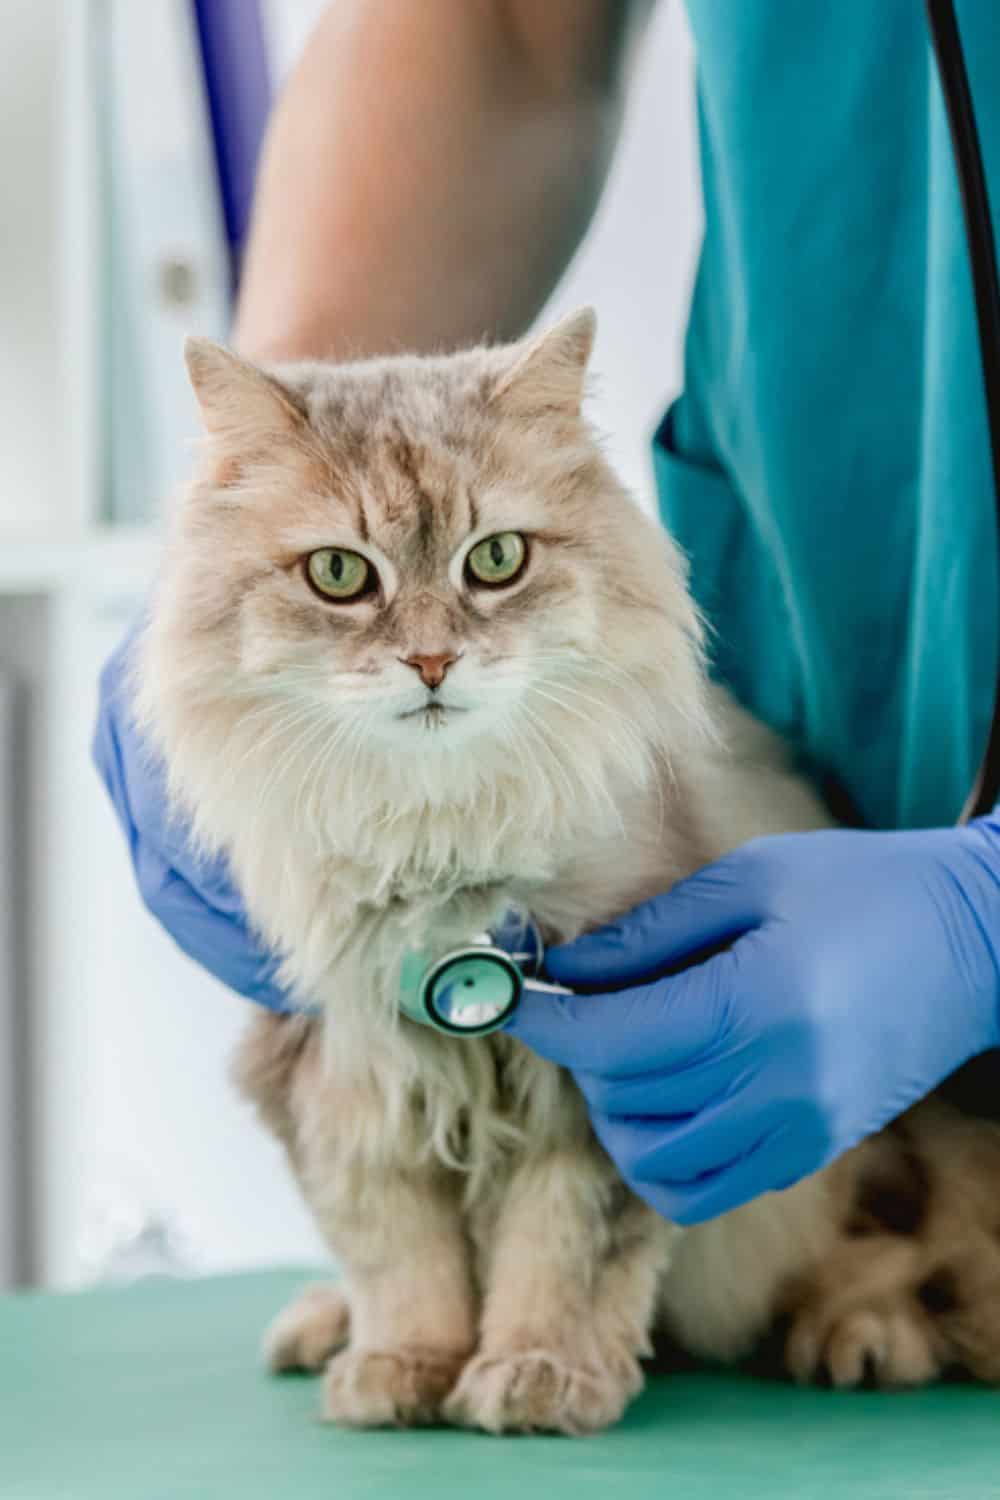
(122, 1148)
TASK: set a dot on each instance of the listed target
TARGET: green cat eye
(497, 559)
(338, 574)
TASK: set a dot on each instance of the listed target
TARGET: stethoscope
(947, 45)
(474, 989)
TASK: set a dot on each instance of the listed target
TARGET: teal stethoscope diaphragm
(472, 990)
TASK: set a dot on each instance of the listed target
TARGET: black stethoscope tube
(947, 44)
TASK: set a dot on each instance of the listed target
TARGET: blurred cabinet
(12, 1148)
(150, 262)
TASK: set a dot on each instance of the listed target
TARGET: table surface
(153, 1392)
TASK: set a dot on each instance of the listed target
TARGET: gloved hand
(193, 898)
(863, 969)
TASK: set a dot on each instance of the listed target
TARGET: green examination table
(153, 1392)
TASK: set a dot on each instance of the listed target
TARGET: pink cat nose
(432, 668)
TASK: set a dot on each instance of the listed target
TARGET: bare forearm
(429, 172)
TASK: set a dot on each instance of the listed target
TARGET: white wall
(32, 414)
(145, 1155)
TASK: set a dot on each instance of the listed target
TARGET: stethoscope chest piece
(474, 989)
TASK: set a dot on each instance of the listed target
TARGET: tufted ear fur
(549, 373)
(237, 399)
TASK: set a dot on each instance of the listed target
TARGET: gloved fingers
(193, 897)
(656, 1093)
(769, 1166)
(710, 908)
(156, 821)
(653, 1026)
(682, 1152)
(136, 781)
(224, 945)
(106, 747)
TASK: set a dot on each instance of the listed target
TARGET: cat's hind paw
(389, 1388)
(535, 1391)
(309, 1330)
(866, 1347)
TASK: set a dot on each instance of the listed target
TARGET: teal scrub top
(827, 466)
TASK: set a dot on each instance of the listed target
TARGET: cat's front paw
(535, 1391)
(306, 1332)
(389, 1388)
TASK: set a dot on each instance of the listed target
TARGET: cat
(416, 657)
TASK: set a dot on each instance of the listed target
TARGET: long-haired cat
(416, 657)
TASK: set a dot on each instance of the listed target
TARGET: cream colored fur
(497, 1269)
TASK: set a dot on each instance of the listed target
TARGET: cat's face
(421, 582)
(420, 556)
(423, 604)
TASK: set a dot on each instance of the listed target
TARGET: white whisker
(638, 750)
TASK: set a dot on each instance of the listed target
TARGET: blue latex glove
(193, 898)
(863, 969)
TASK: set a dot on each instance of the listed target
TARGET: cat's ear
(550, 373)
(236, 398)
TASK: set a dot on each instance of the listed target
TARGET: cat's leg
(912, 1289)
(867, 1318)
(306, 1332)
(400, 1240)
(570, 1273)
(393, 1220)
(855, 1317)
(400, 1336)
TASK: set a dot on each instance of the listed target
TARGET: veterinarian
(429, 171)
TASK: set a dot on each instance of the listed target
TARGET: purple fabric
(238, 85)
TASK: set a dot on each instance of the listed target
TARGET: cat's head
(419, 566)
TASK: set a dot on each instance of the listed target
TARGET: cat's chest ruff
(409, 856)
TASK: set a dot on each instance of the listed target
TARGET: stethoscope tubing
(946, 43)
